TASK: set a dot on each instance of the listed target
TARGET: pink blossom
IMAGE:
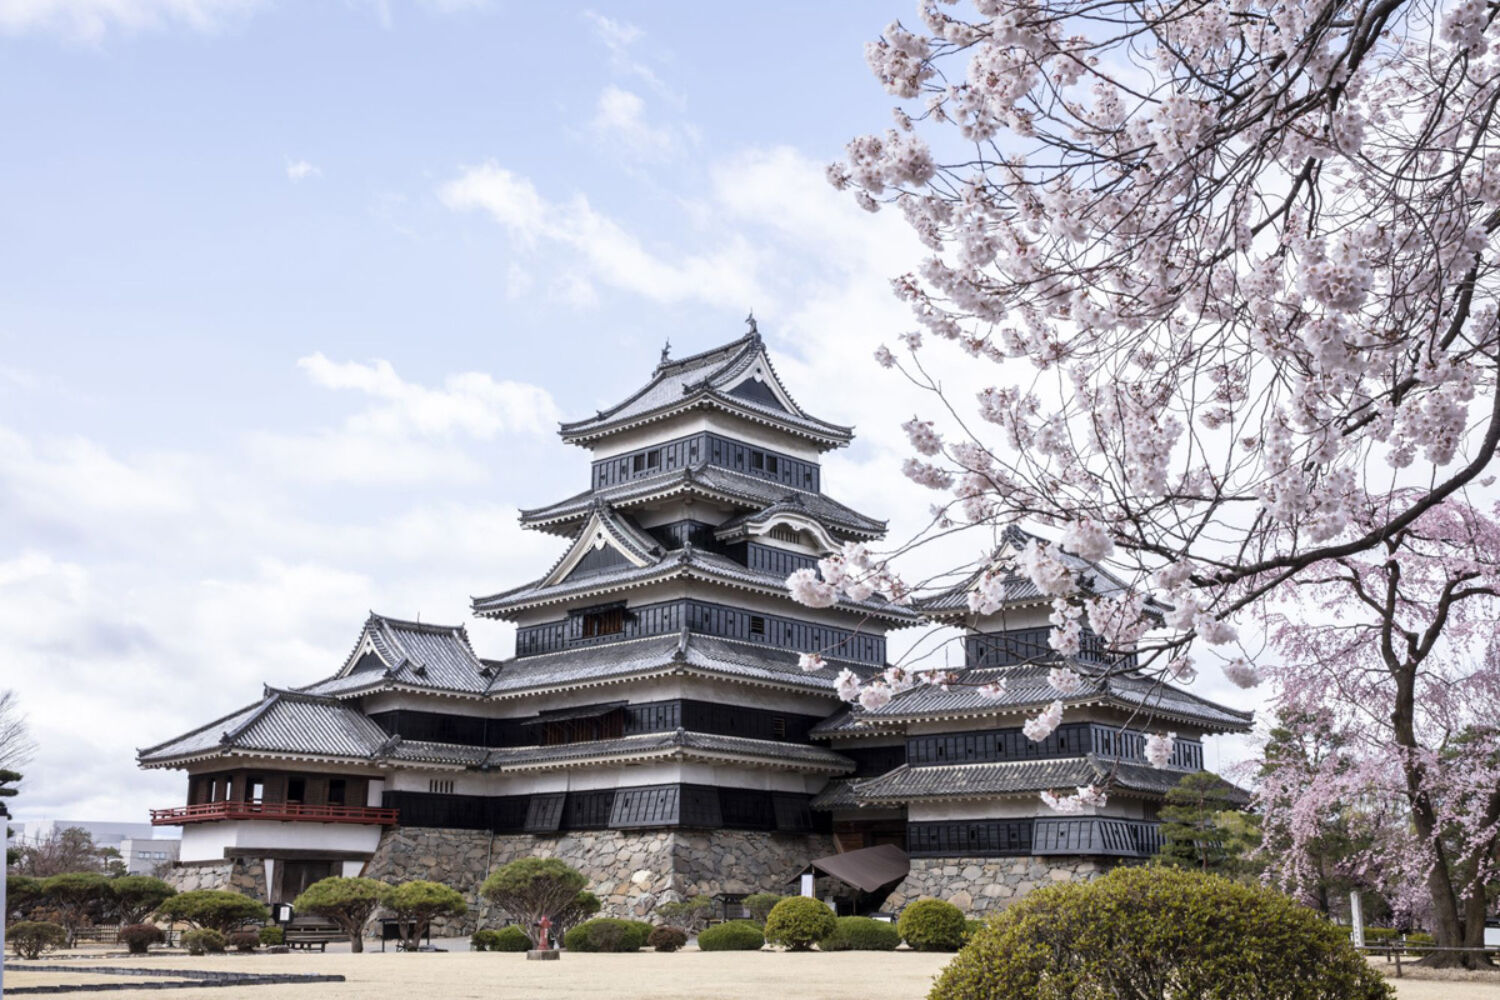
(1065, 682)
(806, 588)
(1241, 672)
(810, 662)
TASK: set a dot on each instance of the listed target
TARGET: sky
(293, 295)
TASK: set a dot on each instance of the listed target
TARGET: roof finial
(666, 351)
(750, 319)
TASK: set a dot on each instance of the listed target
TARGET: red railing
(280, 811)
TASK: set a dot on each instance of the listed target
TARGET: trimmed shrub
(693, 913)
(348, 902)
(137, 895)
(760, 905)
(271, 936)
(607, 934)
(667, 938)
(933, 925)
(798, 922)
(861, 934)
(483, 940)
(418, 902)
(1420, 940)
(530, 890)
(1160, 932)
(732, 935)
(204, 940)
(29, 938)
(244, 940)
(213, 909)
(139, 937)
(511, 938)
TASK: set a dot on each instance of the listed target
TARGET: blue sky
(294, 293)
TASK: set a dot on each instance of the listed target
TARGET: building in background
(655, 728)
(148, 855)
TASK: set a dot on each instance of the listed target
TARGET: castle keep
(654, 728)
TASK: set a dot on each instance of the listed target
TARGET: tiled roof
(837, 794)
(676, 743)
(288, 722)
(683, 651)
(688, 562)
(704, 380)
(1026, 688)
(957, 781)
(1019, 589)
(415, 654)
(712, 482)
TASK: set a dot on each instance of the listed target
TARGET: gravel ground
(685, 975)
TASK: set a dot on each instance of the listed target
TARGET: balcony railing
(295, 812)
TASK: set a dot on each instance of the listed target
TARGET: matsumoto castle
(654, 728)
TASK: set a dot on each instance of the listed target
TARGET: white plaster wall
(207, 841)
(387, 701)
(1013, 617)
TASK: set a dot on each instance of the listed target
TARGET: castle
(654, 727)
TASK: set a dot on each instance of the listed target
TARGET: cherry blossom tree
(1232, 264)
(1393, 657)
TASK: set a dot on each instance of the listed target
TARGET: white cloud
(724, 276)
(620, 37)
(301, 170)
(92, 20)
(470, 402)
(620, 122)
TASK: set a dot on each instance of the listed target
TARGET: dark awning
(867, 869)
(584, 712)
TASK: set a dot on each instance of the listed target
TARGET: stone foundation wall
(630, 871)
(980, 886)
(239, 874)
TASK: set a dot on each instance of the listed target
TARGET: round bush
(29, 938)
(244, 940)
(798, 922)
(861, 934)
(206, 940)
(667, 938)
(1168, 933)
(138, 937)
(483, 940)
(932, 925)
(271, 936)
(732, 935)
(607, 934)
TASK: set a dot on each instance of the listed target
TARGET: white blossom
(875, 695)
(847, 685)
(810, 662)
(1159, 748)
(1064, 681)
(1040, 727)
(807, 589)
(1241, 672)
(1088, 540)
(993, 691)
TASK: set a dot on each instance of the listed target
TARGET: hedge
(204, 940)
(508, 938)
(732, 935)
(861, 934)
(607, 934)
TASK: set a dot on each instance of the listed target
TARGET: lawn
(685, 975)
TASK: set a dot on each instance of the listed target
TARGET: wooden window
(758, 626)
(778, 727)
(771, 464)
(758, 461)
(611, 622)
(653, 459)
(440, 786)
(255, 788)
(296, 789)
(338, 790)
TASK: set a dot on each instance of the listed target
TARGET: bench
(304, 932)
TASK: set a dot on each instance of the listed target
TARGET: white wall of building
(208, 841)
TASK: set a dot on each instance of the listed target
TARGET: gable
(756, 391)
